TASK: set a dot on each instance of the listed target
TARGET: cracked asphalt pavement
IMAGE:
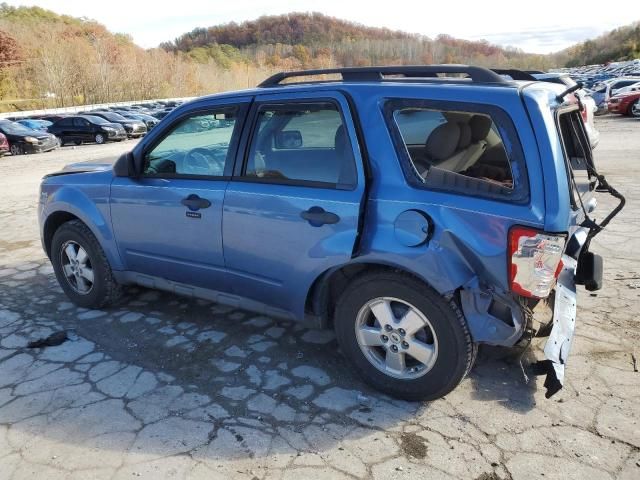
(166, 387)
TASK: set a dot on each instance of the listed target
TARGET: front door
(168, 222)
(83, 129)
(292, 209)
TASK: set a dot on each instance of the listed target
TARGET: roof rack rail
(376, 74)
(515, 74)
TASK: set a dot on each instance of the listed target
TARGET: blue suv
(419, 211)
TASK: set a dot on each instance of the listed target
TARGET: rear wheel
(16, 149)
(99, 138)
(402, 337)
(81, 267)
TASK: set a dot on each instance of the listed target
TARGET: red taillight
(535, 261)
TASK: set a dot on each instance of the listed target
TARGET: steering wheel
(201, 161)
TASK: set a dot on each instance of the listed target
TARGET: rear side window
(465, 150)
(301, 143)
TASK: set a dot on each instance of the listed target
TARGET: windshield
(13, 128)
(96, 120)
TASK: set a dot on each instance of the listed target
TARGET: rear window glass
(455, 142)
(577, 151)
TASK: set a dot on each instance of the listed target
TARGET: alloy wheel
(396, 338)
(77, 267)
(16, 149)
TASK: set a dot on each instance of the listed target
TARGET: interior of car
(464, 143)
(302, 143)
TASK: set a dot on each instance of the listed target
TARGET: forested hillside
(49, 60)
(301, 40)
(620, 44)
(58, 60)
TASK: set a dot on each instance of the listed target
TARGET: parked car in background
(161, 113)
(26, 140)
(51, 117)
(625, 104)
(634, 87)
(417, 217)
(134, 128)
(609, 88)
(148, 120)
(4, 145)
(589, 106)
(87, 128)
(35, 124)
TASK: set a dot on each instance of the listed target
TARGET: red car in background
(625, 104)
(4, 145)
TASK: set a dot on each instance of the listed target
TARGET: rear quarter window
(458, 147)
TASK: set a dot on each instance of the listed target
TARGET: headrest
(480, 126)
(443, 141)
(465, 135)
(340, 138)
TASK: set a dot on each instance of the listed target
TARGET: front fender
(89, 203)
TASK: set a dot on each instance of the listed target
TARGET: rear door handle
(193, 202)
(317, 216)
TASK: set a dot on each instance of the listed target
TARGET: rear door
(292, 208)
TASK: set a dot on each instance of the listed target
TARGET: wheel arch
(51, 224)
(69, 203)
(327, 287)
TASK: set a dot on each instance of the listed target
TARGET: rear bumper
(558, 346)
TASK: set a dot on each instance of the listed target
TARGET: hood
(99, 165)
(90, 166)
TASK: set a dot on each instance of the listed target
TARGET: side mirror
(288, 139)
(124, 166)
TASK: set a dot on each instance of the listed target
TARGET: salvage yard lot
(167, 387)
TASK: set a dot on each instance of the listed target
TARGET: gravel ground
(165, 387)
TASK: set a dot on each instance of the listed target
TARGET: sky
(542, 26)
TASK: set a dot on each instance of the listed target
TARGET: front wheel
(99, 138)
(16, 149)
(634, 110)
(402, 337)
(81, 267)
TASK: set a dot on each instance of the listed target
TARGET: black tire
(105, 290)
(456, 350)
(78, 142)
(61, 141)
(16, 149)
(635, 104)
(99, 138)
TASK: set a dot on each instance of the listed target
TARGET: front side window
(301, 142)
(457, 149)
(198, 145)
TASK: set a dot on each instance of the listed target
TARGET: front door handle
(317, 216)
(193, 202)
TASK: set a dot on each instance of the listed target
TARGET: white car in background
(634, 87)
(589, 106)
